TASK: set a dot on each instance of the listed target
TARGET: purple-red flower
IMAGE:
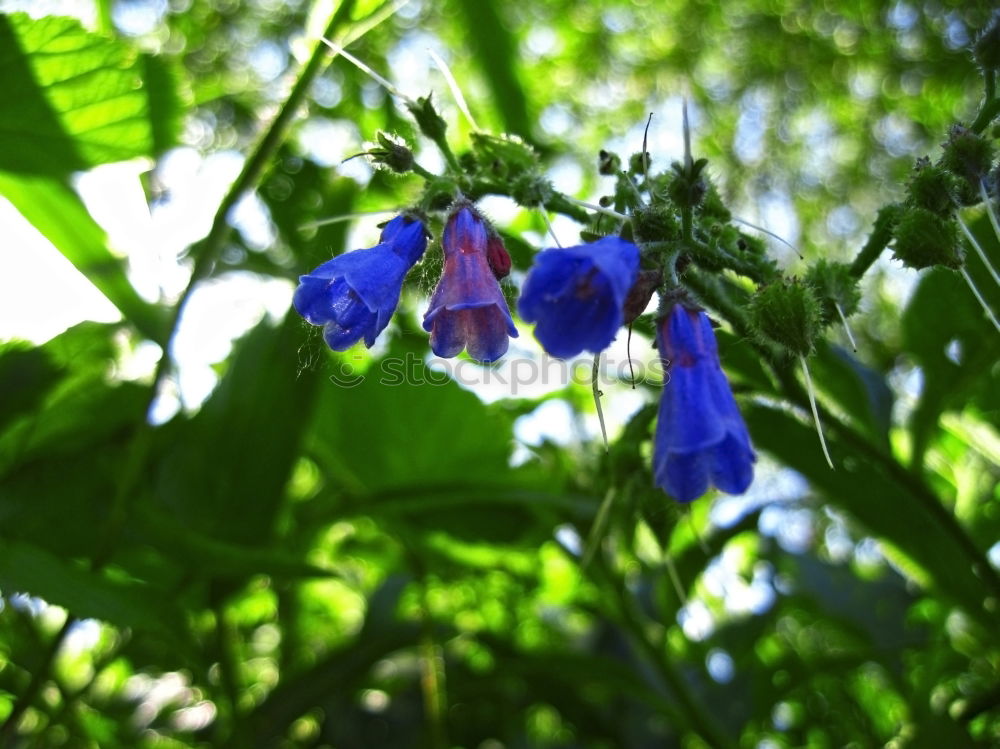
(701, 440)
(354, 295)
(468, 310)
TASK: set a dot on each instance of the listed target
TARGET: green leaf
(409, 443)
(860, 391)
(893, 505)
(207, 557)
(297, 192)
(224, 472)
(26, 375)
(72, 99)
(25, 568)
(60, 464)
(59, 214)
(496, 52)
(406, 426)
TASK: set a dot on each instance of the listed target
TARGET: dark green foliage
(360, 549)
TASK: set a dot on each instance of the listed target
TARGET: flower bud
(428, 120)
(787, 313)
(687, 187)
(655, 223)
(531, 190)
(931, 187)
(924, 239)
(640, 294)
(968, 156)
(392, 153)
(510, 152)
(833, 285)
(608, 163)
(638, 162)
(497, 257)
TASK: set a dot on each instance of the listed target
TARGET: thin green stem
(991, 104)
(687, 224)
(228, 732)
(449, 156)
(987, 114)
(432, 677)
(422, 172)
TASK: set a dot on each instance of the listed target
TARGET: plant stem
(880, 237)
(991, 104)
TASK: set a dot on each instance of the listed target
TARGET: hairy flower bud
(512, 154)
(787, 313)
(638, 163)
(687, 186)
(655, 223)
(931, 187)
(924, 239)
(497, 257)
(968, 156)
(834, 285)
(392, 153)
(531, 190)
(608, 163)
(428, 120)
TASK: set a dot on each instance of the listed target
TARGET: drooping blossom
(576, 295)
(354, 295)
(468, 310)
(701, 439)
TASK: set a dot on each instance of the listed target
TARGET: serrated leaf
(72, 99)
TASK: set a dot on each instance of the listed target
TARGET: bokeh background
(221, 546)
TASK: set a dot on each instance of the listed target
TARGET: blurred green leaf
(893, 506)
(859, 390)
(59, 214)
(224, 471)
(25, 568)
(26, 375)
(207, 557)
(495, 50)
(950, 338)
